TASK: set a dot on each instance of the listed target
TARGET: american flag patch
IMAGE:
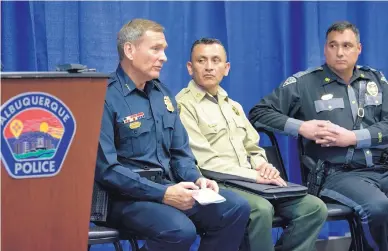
(133, 117)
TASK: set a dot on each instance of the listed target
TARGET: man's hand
(267, 171)
(335, 135)
(309, 129)
(206, 183)
(181, 195)
(278, 181)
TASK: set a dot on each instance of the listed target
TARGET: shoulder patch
(365, 68)
(289, 80)
(310, 70)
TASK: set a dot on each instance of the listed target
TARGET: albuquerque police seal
(36, 133)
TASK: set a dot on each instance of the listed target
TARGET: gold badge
(327, 96)
(168, 103)
(135, 125)
(372, 89)
(236, 110)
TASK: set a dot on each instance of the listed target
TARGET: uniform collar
(330, 76)
(199, 93)
(128, 86)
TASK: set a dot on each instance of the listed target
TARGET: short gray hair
(133, 30)
(344, 25)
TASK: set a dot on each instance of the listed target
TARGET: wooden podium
(42, 210)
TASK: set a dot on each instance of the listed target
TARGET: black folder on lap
(269, 192)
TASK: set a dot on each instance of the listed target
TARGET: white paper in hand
(207, 196)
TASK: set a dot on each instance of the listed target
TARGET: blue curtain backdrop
(265, 41)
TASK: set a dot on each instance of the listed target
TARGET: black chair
(102, 235)
(336, 211)
(274, 158)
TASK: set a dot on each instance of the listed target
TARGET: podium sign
(50, 125)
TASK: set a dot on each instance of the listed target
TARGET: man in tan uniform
(223, 140)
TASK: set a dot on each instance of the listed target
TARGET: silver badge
(372, 89)
(289, 80)
(327, 96)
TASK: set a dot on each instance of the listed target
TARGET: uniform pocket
(136, 135)
(373, 100)
(168, 128)
(328, 105)
(212, 128)
(169, 120)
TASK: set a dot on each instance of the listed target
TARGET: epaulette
(293, 78)
(112, 78)
(365, 68)
(182, 92)
(310, 70)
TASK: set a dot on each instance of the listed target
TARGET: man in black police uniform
(341, 110)
(140, 131)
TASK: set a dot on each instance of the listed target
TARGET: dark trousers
(366, 191)
(167, 228)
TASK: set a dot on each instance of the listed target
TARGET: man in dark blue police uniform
(141, 131)
(341, 110)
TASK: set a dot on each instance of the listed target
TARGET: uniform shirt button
(330, 107)
(353, 102)
(376, 101)
(157, 121)
(135, 132)
(368, 152)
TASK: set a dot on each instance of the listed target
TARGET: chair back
(273, 153)
(99, 210)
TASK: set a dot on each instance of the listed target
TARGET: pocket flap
(373, 100)
(328, 105)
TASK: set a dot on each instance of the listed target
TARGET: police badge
(168, 103)
(372, 89)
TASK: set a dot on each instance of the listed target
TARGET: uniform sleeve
(183, 163)
(206, 156)
(376, 134)
(116, 178)
(275, 112)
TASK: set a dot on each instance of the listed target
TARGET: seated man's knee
(263, 208)
(237, 205)
(317, 208)
(181, 233)
(377, 211)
